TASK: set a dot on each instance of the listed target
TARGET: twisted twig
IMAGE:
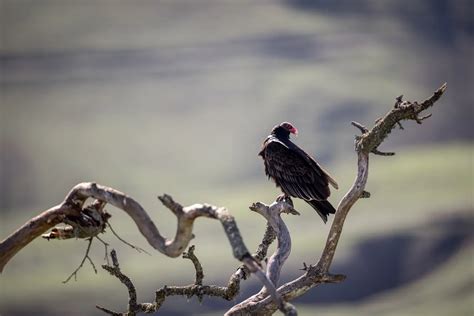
(133, 306)
(272, 214)
(86, 256)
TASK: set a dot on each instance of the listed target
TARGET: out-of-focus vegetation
(176, 97)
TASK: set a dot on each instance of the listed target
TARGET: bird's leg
(281, 197)
(285, 198)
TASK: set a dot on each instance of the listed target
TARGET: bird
(296, 172)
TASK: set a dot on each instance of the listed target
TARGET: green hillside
(175, 97)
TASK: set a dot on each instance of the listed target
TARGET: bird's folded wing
(292, 172)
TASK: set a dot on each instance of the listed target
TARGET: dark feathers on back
(296, 173)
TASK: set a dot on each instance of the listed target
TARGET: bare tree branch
(364, 145)
(196, 289)
(171, 247)
(268, 237)
(70, 211)
(138, 249)
(272, 214)
(33, 229)
(197, 266)
(86, 256)
(87, 224)
(133, 306)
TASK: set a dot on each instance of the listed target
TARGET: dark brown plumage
(296, 172)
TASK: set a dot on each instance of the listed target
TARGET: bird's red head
(289, 127)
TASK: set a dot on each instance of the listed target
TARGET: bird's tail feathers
(324, 208)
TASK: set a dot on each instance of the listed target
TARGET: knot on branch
(319, 275)
(89, 222)
(365, 195)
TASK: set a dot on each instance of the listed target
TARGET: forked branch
(72, 210)
(365, 144)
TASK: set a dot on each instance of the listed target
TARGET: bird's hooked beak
(294, 131)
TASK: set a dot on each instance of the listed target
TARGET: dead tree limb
(73, 206)
(33, 229)
(133, 306)
(365, 144)
(196, 289)
(272, 213)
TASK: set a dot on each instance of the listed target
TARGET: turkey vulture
(296, 172)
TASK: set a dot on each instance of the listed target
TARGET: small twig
(92, 264)
(113, 255)
(420, 119)
(399, 100)
(173, 206)
(114, 270)
(381, 153)
(108, 311)
(140, 250)
(305, 267)
(365, 195)
(197, 265)
(106, 247)
(332, 278)
(361, 127)
(86, 256)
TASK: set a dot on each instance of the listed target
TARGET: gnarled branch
(76, 198)
(272, 214)
(365, 144)
(72, 206)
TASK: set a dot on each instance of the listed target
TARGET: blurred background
(153, 97)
